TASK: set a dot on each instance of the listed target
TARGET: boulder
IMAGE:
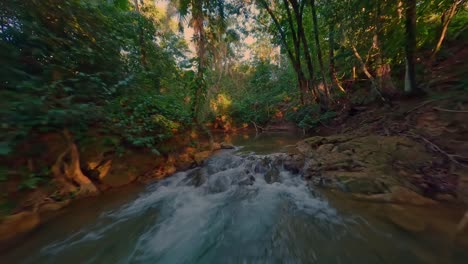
(226, 146)
(364, 164)
(294, 163)
(272, 175)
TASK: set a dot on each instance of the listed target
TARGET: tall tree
(319, 51)
(446, 18)
(410, 47)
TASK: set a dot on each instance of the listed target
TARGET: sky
(188, 34)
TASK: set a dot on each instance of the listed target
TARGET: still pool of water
(228, 212)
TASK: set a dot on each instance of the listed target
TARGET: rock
(18, 224)
(216, 146)
(360, 184)
(184, 162)
(445, 197)
(325, 147)
(200, 157)
(196, 177)
(261, 166)
(248, 180)
(226, 146)
(404, 195)
(294, 163)
(405, 219)
(53, 206)
(272, 175)
(362, 164)
(400, 195)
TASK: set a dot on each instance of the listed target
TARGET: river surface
(230, 211)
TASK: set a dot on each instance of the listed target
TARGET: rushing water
(237, 208)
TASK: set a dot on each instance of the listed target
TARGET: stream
(239, 207)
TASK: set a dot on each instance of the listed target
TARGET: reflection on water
(262, 143)
(228, 211)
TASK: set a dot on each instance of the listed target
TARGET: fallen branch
(257, 126)
(449, 110)
(421, 105)
(451, 157)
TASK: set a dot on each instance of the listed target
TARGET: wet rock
(261, 165)
(404, 219)
(196, 177)
(399, 195)
(272, 175)
(220, 182)
(445, 197)
(226, 146)
(18, 224)
(248, 180)
(362, 165)
(215, 146)
(294, 163)
(200, 157)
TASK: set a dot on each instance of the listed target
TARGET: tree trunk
(67, 170)
(309, 83)
(141, 39)
(331, 55)
(319, 50)
(383, 69)
(294, 57)
(446, 19)
(367, 73)
(410, 47)
(199, 31)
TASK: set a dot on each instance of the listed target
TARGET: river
(240, 207)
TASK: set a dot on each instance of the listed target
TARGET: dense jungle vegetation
(125, 72)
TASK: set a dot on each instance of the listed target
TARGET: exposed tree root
(67, 171)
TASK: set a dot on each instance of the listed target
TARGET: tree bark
(199, 31)
(446, 19)
(410, 47)
(294, 57)
(67, 170)
(367, 73)
(383, 69)
(309, 83)
(331, 55)
(319, 50)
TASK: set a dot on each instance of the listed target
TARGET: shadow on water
(239, 208)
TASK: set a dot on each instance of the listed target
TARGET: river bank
(94, 167)
(408, 154)
(243, 206)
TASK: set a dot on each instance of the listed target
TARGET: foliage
(309, 116)
(148, 119)
(64, 63)
(267, 89)
(33, 179)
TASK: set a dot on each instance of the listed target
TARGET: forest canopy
(124, 68)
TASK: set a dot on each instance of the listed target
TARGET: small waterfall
(236, 208)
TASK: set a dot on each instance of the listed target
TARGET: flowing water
(240, 207)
